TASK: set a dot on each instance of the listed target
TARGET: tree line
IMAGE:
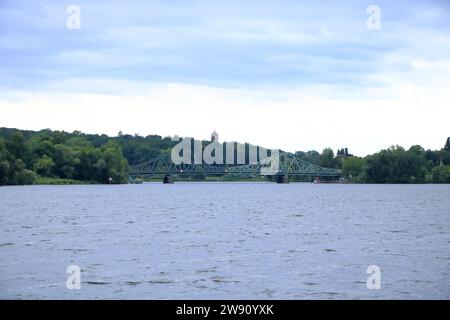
(392, 165)
(28, 157)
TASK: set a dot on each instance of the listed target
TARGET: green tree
(77, 141)
(68, 155)
(17, 145)
(87, 170)
(441, 174)
(5, 158)
(444, 157)
(433, 157)
(116, 166)
(396, 165)
(4, 172)
(44, 165)
(352, 167)
(42, 147)
(58, 137)
(311, 156)
(26, 177)
(65, 159)
(327, 159)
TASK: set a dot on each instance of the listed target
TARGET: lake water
(225, 240)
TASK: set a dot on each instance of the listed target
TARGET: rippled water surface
(225, 240)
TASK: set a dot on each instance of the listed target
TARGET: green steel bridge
(286, 165)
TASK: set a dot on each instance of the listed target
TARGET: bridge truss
(287, 164)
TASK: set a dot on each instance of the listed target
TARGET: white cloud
(292, 120)
(297, 77)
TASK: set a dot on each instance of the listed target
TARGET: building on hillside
(214, 136)
(343, 153)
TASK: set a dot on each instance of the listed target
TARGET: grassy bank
(58, 181)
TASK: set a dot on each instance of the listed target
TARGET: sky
(292, 75)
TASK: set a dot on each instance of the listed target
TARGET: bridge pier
(282, 178)
(168, 179)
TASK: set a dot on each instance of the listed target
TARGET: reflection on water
(225, 240)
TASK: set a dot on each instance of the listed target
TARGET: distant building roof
(214, 136)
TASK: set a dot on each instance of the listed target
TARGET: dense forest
(46, 156)
(392, 165)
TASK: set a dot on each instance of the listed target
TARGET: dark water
(225, 240)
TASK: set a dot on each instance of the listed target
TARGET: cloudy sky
(295, 75)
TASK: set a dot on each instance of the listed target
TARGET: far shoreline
(68, 182)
